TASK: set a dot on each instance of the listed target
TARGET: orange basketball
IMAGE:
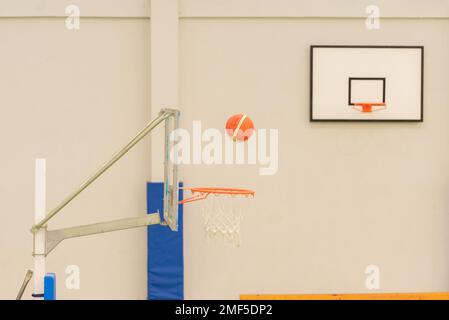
(239, 127)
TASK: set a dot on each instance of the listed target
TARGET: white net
(222, 216)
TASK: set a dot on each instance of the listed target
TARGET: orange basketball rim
(200, 193)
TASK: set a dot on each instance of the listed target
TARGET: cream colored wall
(74, 98)
(347, 195)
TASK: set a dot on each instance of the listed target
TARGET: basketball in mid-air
(239, 127)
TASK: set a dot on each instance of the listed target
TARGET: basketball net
(222, 211)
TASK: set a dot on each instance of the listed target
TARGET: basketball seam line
(239, 125)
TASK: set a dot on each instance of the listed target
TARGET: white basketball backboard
(344, 76)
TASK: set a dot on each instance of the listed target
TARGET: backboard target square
(365, 90)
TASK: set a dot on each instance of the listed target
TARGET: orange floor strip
(355, 296)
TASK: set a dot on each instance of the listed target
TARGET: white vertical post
(164, 72)
(39, 214)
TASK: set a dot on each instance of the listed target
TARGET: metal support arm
(163, 114)
(54, 237)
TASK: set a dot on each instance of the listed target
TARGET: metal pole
(164, 114)
(25, 282)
